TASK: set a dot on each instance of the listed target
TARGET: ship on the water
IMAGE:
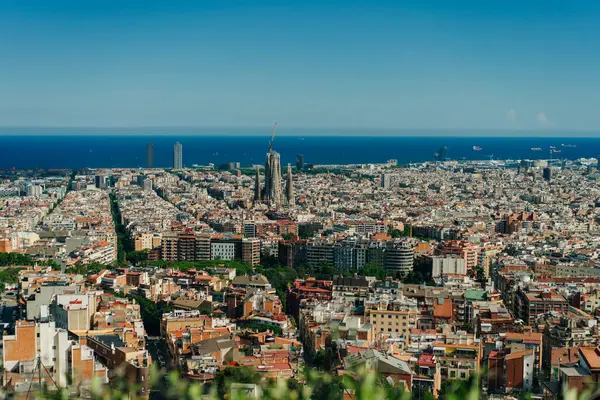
(536, 149)
(569, 145)
(477, 148)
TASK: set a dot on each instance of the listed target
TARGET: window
(54, 348)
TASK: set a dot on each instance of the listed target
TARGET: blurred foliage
(310, 384)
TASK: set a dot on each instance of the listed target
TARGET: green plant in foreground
(226, 385)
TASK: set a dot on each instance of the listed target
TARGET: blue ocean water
(69, 151)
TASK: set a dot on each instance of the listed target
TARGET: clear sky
(400, 64)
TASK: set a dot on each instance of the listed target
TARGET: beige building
(179, 319)
(397, 321)
(251, 251)
(455, 361)
(147, 241)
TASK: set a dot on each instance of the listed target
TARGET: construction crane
(272, 137)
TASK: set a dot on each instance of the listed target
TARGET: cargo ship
(568, 145)
(536, 149)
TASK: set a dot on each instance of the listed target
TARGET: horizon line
(309, 131)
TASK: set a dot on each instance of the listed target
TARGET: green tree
(372, 269)
(137, 257)
(15, 259)
(9, 276)
(229, 375)
(480, 276)
(123, 242)
(87, 269)
(328, 387)
(396, 233)
(318, 360)
(455, 389)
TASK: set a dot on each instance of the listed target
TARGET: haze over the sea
(282, 130)
(96, 151)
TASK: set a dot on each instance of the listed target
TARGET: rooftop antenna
(272, 137)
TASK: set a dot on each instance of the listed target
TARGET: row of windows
(390, 330)
(453, 374)
(390, 324)
(375, 316)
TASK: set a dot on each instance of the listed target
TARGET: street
(158, 351)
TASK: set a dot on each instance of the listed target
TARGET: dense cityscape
(426, 274)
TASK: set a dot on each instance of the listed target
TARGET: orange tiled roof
(591, 355)
(443, 310)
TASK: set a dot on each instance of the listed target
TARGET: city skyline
(498, 65)
(424, 224)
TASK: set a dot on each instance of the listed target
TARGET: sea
(115, 151)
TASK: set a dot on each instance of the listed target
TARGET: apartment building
(451, 264)
(147, 241)
(251, 251)
(467, 251)
(223, 250)
(455, 361)
(38, 351)
(510, 370)
(115, 353)
(391, 320)
(529, 303)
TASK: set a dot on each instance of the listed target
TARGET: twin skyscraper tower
(177, 155)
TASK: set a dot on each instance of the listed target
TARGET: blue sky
(400, 65)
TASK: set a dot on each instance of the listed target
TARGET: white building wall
(222, 251)
(448, 265)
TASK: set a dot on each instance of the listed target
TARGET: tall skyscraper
(273, 190)
(257, 188)
(300, 162)
(547, 173)
(101, 181)
(442, 154)
(150, 155)
(177, 156)
(289, 188)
